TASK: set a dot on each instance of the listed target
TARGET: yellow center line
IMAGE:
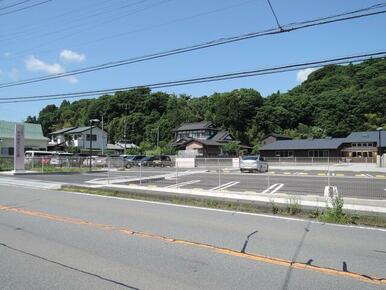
(220, 250)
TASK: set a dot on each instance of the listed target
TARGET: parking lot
(369, 185)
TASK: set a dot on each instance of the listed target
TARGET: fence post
(176, 174)
(140, 172)
(108, 170)
(269, 181)
(219, 172)
(41, 161)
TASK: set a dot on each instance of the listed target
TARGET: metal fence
(318, 160)
(66, 163)
(215, 175)
(218, 175)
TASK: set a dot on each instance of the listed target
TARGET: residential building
(200, 139)
(78, 137)
(33, 137)
(358, 146)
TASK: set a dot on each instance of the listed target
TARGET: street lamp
(380, 129)
(92, 121)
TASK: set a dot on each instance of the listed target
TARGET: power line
(217, 42)
(203, 79)
(274, 14)
(25, 7)
(84, 20)
(15, 4)
(110, 36)
(60, 18)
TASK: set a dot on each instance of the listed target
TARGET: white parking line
(269, 188)
(273, 188)
(225, 185)
(277, 188)
(369, 176)
(182, 183)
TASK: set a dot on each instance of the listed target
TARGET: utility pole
(157, 137)
(103, 137)
(125, 128)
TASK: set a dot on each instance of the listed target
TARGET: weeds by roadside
(333, 214)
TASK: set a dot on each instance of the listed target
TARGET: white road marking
(369, 175)
(273, 188)
(277, 188)
(229, 185)
(226, 185)
(269, 188)
(182, 184)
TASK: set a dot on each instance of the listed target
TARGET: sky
(63, 35)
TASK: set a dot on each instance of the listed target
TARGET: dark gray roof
(221, 135)
(62, 131)
(304, 144)
(369, 136)
(79, 130)
(277, 136)
(195, 126)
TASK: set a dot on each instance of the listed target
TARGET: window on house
(94, 137)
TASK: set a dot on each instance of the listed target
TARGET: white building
(78, 137)
(33, 137)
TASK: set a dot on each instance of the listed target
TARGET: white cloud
(72, 79)
(303, 74)
(36, 65)
(72, 56)
(13, 74)
(7, 54)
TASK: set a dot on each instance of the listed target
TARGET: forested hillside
(334, 101)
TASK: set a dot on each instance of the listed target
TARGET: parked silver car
(253, 163)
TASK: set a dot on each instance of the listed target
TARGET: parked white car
(253, 163)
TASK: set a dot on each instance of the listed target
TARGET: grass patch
(6, 164)
(53, 169)
(332, 214)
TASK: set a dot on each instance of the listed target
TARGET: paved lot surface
(349, 184)
(57, 240)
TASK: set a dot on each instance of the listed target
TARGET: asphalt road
(58, 240)
(349, 184)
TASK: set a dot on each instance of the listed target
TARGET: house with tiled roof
(357, 146)
(33, 137)
(200, 139)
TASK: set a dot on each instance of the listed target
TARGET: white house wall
(82, 143)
